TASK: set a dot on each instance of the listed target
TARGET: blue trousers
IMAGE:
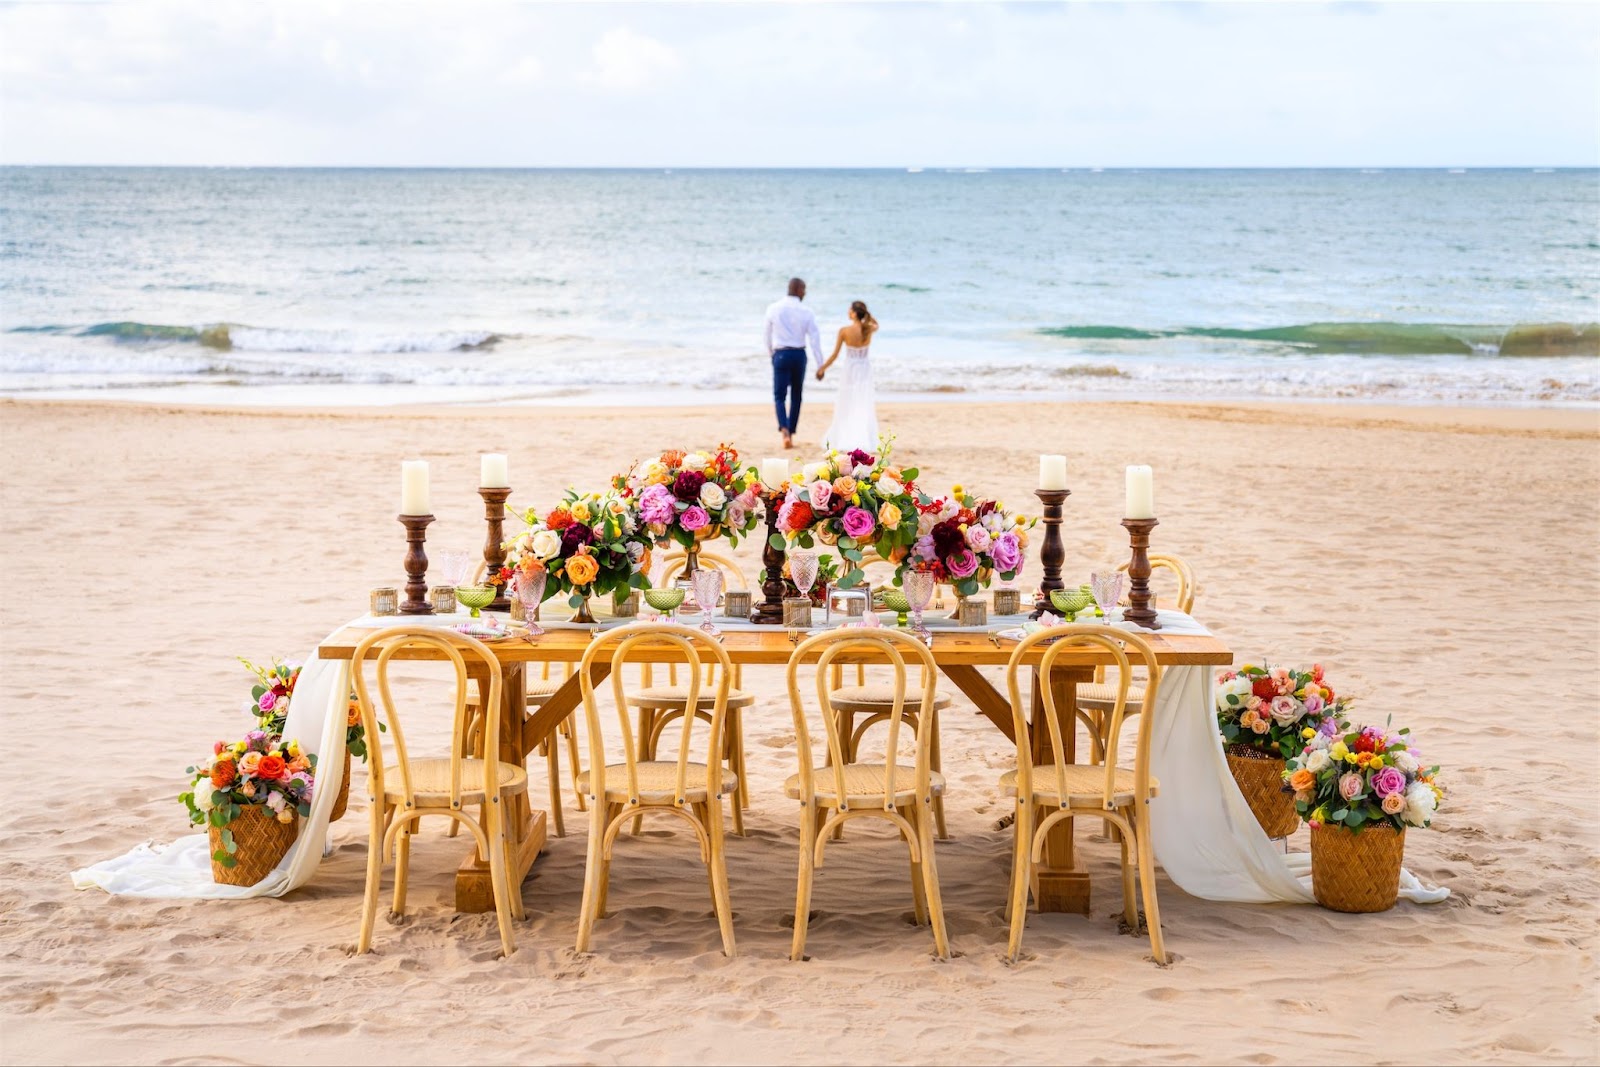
(788, 383)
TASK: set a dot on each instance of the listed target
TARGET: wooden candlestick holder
(1053, 553)
(1139, 611)
(770, 611)
(494, 556)
(416, 601)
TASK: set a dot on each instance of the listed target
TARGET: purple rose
(575, 537)
(736, 514)
(687, 486)
(1006, 551)
(1388, 780)
(694, 518)
(962, 563)
(268, 700)
(924, 549)
(1350, 786)
(858, 522)
(655, 505)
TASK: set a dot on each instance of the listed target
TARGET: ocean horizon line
(930, 168)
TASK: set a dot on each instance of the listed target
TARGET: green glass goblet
(667, 600)
(475, 597)
(1070, 601)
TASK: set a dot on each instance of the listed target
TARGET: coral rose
(582, 569)
(273, 768)
(1394, 803)
(844, 485)
(1302, 781)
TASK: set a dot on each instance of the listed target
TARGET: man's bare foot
(788, 439)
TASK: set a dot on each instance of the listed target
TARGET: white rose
(1321, 742)
(696, 461)
(202, 794)
(887, 486)
(1420, 804)
(712, 496)
(635, 552)
(1287, 710)
(1236, 687)
(925, 523)
(1406, 762)
(812, 471)
(860, 470)
(1317, 761)
(546, 543)
(652, 471)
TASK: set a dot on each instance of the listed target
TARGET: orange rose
(352, 714)
(1302, 781)
(582, 569)
(844, 485)
(223, 773)
(273, 768)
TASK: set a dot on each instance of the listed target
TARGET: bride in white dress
(855, 413)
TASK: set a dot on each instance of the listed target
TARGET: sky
(216, 82)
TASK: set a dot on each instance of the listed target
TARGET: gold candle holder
(384, 600)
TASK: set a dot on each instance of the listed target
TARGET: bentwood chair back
(403, 789)
(689, 789)
(840, 789)
(1048, 789)
(1184, 600)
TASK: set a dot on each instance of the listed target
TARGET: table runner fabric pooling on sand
(1205, 836)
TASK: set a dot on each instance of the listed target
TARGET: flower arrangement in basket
(1360, 789)
(249, 794)
(591, 545)
(1265, 715)
(270, 695)
(686, 498)
(964, 540)
(852, 501)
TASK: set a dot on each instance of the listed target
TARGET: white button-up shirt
(790, 324)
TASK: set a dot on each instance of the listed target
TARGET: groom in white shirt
(790, 328)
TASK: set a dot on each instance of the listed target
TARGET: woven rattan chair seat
(1085, 785)
(658, 779)
(1101, 695)
(880, 697)
(864, 782)
(673, 697)
(430, 779)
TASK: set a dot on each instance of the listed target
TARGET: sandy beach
(1440, 561)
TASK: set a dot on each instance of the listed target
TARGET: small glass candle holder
(385, 600)
(736, 603)
(797, 612)
(443, 599)
(1007, 601)
(518, 612)
(625, 607)
(973, 612)
(853, 602)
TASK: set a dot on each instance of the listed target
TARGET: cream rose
(1405, 762)
(712, 495)
(652, 472)
(888, 486)
(696, 461)
(1286, 710)
(1317, 761)
(202, 794)
(1236, 687)
(1420, 804)
(546, 543)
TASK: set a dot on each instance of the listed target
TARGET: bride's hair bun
(863, 316)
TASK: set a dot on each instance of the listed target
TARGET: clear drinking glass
(1107, 588)
(919, 586)
(530, 590)
(803, 569)
(455, 567)
(707, 588)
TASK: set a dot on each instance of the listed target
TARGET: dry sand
(1441, 563)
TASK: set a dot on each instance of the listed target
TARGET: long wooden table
(1060, 885)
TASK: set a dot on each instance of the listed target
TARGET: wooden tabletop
(773, 647)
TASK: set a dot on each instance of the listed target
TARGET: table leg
(1058, 883)
(525, 827)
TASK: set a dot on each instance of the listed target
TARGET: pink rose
(1350, 786)
(1006, 551)
(977, 538)
(1314, 704)
(962, 563)
(694, 518)
(1285, 710)
(1388, 781)
(736, 514)
(821, 492)
(268, 700)
(858, 522)
(655, 505)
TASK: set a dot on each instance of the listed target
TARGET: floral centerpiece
(592, 544)
(853, 501)
(687, 498)
(1360, 788)
(270, 695)
(1263, 714)
(249, 793)
(964, 540)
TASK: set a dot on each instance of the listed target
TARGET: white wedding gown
(855, 413)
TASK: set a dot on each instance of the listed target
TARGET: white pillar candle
(492, 471)
(414, 487)
(1052, 472)
(774, 472)
(1141, 494)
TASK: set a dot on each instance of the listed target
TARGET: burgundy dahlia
(687, 486)
(573, 537)
(947, 538)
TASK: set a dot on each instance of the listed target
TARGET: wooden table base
(474, 891)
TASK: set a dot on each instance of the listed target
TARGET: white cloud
(626, 60)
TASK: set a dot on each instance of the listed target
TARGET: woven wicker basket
(1260, 779)
(1356, 871)
(261, 842)
(342, 802)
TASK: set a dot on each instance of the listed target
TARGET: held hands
(820, 372)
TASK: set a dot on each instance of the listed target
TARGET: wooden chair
(1096, 698)
(1047, 789)
(852, 790)
(692, 791)
(404, 791)
(658, 705)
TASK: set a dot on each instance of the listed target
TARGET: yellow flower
(580, 511)
(957, 489)
(1377, 762)
(1308, 733)
(1351, 757)
(1018, 520)
(1338, 750)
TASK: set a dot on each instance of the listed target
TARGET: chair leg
(402, 867)
(369, 903)
(930, 877)
(719, 880)
(1023, 827)
(919, 892)
(647, 723)
(808, 870)
(552, 764)
(738, 812)
(587, 912)
(1147, 881)
(500, 872)
(570, 731)
(612, 811)
(1130, 900)
(847, 746)
(736, 757)
(938, 765)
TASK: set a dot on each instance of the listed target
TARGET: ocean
(349, 286)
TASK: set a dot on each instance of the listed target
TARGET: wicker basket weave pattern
(342, 802)
(261, 841)
(1357, 872)
(1260, 779)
